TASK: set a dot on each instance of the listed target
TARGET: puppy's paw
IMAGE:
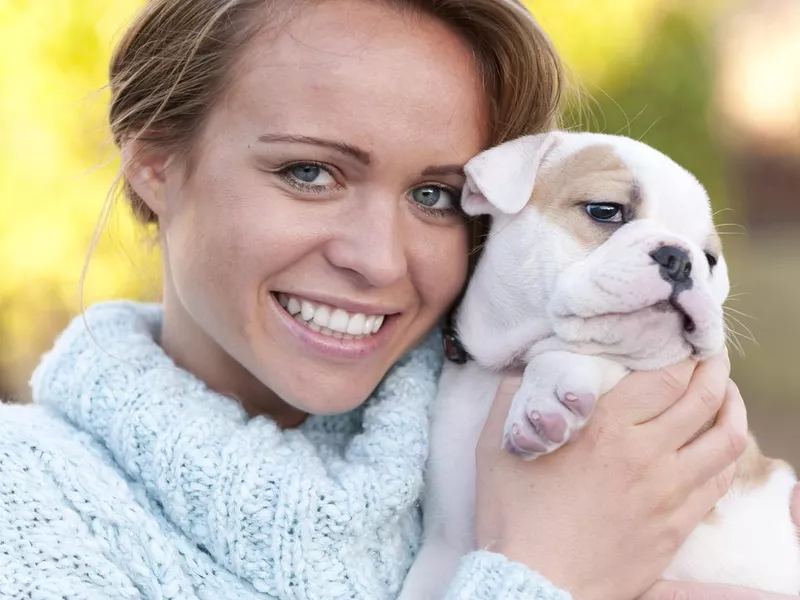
(544, 418)
(557, 396)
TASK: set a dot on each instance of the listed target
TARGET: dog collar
(453, 349)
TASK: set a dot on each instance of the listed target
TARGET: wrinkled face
(614, 251)
(316, 238)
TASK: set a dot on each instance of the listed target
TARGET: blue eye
(605, 212)
(433, 197)
(310, 174)
(307, 173)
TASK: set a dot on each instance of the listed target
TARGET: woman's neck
(191, 348)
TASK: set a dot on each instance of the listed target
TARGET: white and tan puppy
(602, 258)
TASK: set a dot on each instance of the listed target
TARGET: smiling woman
(333, 211)
(262, 433)
(302, 162)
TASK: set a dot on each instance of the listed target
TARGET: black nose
(675, 264)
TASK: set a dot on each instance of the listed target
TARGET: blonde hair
(172, 63)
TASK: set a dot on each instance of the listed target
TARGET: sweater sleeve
(235, 485)
(486, 575)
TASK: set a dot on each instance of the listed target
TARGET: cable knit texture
(129, 478)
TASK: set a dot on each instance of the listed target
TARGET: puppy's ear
(500, 180)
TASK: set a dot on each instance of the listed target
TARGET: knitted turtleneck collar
(233, 485)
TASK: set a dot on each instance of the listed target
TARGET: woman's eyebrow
(357, 153)
(444, 170)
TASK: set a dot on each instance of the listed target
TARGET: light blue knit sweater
(130, 479)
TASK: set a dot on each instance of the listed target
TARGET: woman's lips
(333, 343)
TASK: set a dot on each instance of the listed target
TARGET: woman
(262, 433)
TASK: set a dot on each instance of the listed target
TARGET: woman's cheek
(442, 267)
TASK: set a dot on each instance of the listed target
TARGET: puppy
(602, 258)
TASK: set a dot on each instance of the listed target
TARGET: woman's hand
(669, 590)
(604, 515)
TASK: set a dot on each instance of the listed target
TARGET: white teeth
(331, 321)
(356, 324)
(322, 316)
(307, 309)
(339, 320)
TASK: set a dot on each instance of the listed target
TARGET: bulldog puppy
(602, 258)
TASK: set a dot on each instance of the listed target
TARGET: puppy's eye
(605, 212)
(712, 260)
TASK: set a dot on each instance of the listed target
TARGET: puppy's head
(599, 244)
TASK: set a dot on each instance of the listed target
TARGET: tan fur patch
(595, 174)
(752, 471)
(753, 468)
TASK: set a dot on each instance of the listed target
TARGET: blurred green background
(713, 83)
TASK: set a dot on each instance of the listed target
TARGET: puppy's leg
(465, 398)
(558, 393)
(749, 538)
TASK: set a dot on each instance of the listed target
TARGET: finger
(796, 505)
(643, 395)
(700, 404)
(674, 590)
(722, 444)
(701, 502)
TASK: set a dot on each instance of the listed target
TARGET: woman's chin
(328, 396)
(330, 402)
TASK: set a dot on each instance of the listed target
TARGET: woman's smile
(327, 328)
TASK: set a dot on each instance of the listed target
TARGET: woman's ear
(145, 170)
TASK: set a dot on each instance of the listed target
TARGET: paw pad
(550, 426)
(580, 405)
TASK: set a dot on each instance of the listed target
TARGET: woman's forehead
(364, 71)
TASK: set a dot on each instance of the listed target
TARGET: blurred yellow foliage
(601, 40)
(57, 164)
(56, 168)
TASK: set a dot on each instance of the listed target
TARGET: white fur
(579, 319)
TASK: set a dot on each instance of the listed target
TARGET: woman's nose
(372, 245)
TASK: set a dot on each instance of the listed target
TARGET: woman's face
(316, 239)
